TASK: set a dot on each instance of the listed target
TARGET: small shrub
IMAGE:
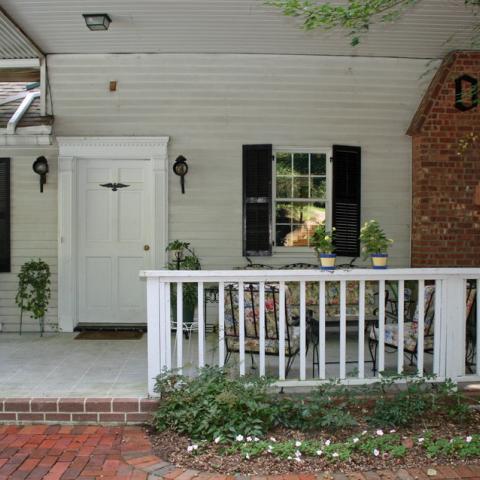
(214, 404)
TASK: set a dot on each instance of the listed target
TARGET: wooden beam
(19, 75)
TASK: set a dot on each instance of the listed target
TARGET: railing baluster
(420, 326)
(343, 328)
(303, 329)
(401, 315)
(281, 326)
(180, 327)
(168, 328)
(437, 332)
(153, 329)
(163, 321)
(381, 326)
(361, 329)
(221, 324)
(477, 331)
(241, 326)
(261, 300)
(321, 331)
(201, 327)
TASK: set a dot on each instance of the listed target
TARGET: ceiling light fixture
(97, 21)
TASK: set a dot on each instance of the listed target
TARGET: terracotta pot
(327, 261)
(379, 260)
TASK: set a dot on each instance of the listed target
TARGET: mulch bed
(172, 447)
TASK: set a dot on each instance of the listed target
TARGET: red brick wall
(446, 184)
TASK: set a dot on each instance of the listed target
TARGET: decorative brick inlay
(445, 176)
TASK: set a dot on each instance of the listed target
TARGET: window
(301, 195)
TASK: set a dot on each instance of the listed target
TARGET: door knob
(146, 248)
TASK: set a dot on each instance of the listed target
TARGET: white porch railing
(166, 345)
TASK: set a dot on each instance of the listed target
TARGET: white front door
(114, 240)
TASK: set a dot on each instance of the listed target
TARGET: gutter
(21, 110)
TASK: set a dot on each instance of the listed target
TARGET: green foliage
(419, 398)
(214, 404)
(322, 239)
(460, 447)
(33, 293)
(355, 16)
(373, 239)
(184, 258)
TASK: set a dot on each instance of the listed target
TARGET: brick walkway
(70, 452)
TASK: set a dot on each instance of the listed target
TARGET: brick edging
(106, 410)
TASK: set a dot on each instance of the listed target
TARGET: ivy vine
(356, 16)
(34, 292)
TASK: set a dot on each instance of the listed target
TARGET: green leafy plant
(214, 404)
(354, 16)
(33, 294)
(322, 239)
(373, 239)
(184, 258)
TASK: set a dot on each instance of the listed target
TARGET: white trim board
(71, 151)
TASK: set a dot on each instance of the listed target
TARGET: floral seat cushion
(410, 336)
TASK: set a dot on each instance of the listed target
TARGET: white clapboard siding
(33, 230)
(228, 26)
(210, 105)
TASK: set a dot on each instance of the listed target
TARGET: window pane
(300, 187)
(284, 187)
(284, 163)
(319, 164)
(318, 213)
(283, 213)
(318, 187)
(298, 237)
(283, 233)
(300, 163)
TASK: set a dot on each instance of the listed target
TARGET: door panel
(113, 227)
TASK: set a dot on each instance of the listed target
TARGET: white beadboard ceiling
(231, 26)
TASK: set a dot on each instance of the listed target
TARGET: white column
(153, 332)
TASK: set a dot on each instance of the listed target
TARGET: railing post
(453, 321)
(153, 331)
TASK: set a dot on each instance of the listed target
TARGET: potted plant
(184, 258)
(33, 293)
(375, 243)
(322, 242)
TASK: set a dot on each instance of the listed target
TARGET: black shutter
(257, 200)
(346, 199)
(4, 215)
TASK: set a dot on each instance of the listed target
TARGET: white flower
(289, 457)
(334, 454)
(376, 452)
(256, 439)
(298, 444)
(298, 454)
(191, 448)
(239, 438)
(270, 448)
(468, 439)
(355, 440)
(328, 442)
(364, 432)
(249, 439)
(420, 440)
(272, 439)
(247, 456)
(319, 452)
(298, 459)
(379, 433)
(217, 440)
(393, 430)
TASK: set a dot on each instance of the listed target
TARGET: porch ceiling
(14, 44)
(231, 26)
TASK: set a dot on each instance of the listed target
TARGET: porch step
(106, 410)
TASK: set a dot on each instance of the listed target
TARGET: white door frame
(74, 149)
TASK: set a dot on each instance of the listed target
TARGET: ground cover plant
(229, 424)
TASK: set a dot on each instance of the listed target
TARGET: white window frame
(328, 200)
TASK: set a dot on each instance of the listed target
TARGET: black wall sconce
(40, 167)
(180, 168)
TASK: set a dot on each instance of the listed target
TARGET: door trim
(75, 149)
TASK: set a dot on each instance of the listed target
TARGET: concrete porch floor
(56, 365)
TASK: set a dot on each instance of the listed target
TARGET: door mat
(109, 335)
